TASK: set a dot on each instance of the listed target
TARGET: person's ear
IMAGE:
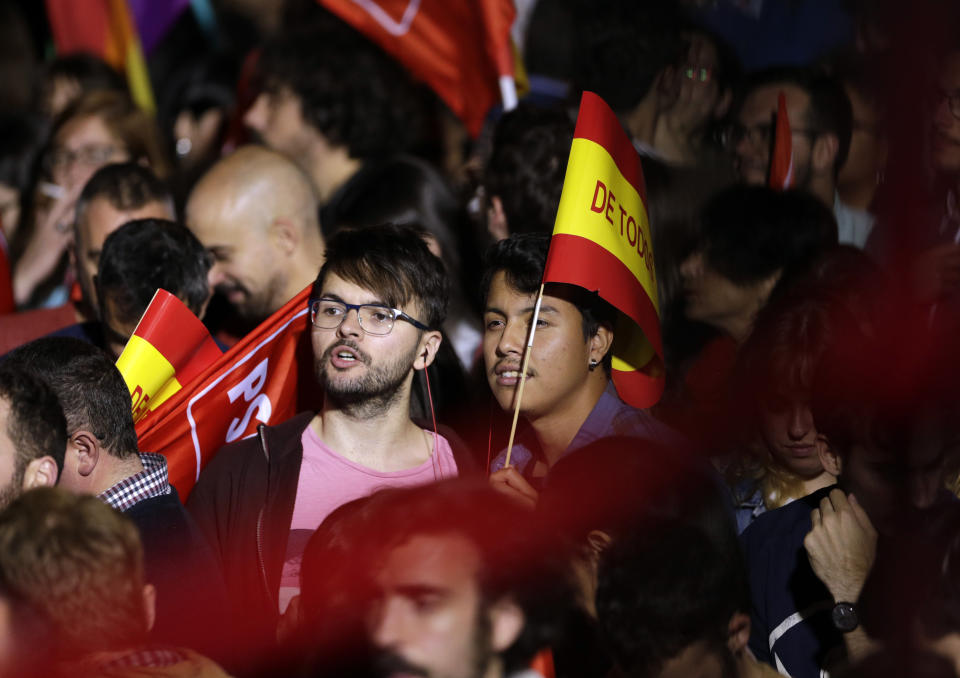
(285, 235)
(738, 632)
(40, 472)
(506, 624)
(829, 458)
(150, 605)
(86, 447)
(497, 219)
(823, 155)
(427, 351)
(600, 343)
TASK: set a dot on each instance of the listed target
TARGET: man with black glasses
(821, 124)
(378, 301)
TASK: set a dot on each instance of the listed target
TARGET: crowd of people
(788, 507)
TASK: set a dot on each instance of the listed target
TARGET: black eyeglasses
(758, 135)
(328, 314)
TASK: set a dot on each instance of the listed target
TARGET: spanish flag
(105, 28)
(781, 161)
(601, 241)
(169, 348)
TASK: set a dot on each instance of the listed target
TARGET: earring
(593, 364)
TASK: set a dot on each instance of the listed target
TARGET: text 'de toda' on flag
(169, 348)
(601, 241)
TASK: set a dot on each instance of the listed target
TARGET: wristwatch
(845, 617)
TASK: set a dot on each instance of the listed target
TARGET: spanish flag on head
(602, 242)
(168, 349)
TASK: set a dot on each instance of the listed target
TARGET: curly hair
(349, 90)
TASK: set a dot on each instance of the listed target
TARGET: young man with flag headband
(569, 399)
(376, 305)
(598, 285)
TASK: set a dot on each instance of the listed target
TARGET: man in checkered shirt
(103, 459)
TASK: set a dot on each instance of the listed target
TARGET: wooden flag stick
(523, 374)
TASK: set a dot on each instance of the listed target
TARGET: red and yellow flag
(781, 162)
(460, 48)
(169, 348)
(267, 377)
(601, 241)
(105, 28)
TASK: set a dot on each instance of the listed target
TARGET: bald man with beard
(256, 212)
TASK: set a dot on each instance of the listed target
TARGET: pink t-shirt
(328, 481)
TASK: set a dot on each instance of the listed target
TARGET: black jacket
(243, 503)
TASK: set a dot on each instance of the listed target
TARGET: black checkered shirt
(152, 481)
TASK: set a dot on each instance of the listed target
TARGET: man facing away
(569, 400)
(377, 302)
(103, 459)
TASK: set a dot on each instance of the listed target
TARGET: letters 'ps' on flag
(601, 241)
(267, 377)
(108, 29)
(781, 162)
(460, 48)
(168, 349)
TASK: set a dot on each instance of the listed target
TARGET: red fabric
(781, 165)
(266, 377)
(172, 328)
(79, 25)
(458, 47)
(17, 329)
(7, 304)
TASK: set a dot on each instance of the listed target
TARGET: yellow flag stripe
(600, 204)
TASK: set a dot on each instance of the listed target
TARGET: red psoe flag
(169, 348)
(265, 378)
(460, 48)
(781, 162)
(601, 241)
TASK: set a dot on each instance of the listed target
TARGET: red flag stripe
(175, 331)
(587, 264)
(591, 125)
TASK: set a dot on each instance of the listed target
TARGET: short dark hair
(663, 588)
(149, 254)
(619, 42)
(506, 541)
(126, 186)
(89, 386)
(749, 233)
(392, 261)
(36, 425)
(522, 257)
(830, 110)
(528, 164)
(373, 112)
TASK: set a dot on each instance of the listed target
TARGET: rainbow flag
(169, 348)
(602, 242)
(105, 28)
